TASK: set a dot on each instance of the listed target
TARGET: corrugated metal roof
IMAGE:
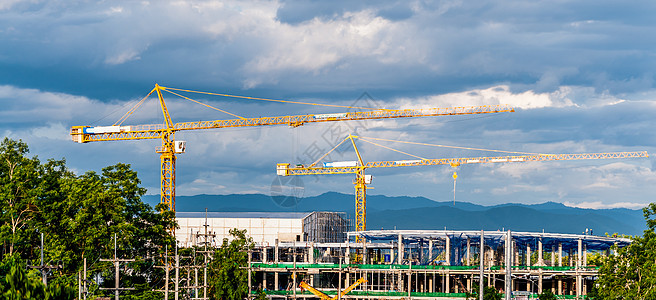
(244, 215)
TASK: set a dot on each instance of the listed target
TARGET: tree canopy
(79, 216)
(228, 278)
(631, 273)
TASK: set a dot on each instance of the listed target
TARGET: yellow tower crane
(361, 180)
(166, 131)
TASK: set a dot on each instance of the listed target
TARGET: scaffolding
(403, 264)
(326, 227)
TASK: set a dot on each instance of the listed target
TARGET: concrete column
(276, 253)
(468, 251)
(579, 254)
(347, 254)
(490, 257)
(364, 252)
(264, 254)
(447, 277)
(528, 285)
(553, 255)
(275, 281)
(420, 257)
(447, 250)
(560, 286)
(400, 248)
(311, 253)
(570, 257)
(540, 252)
(560, 255)
(423, 283)
(585, 255)
(264, 281)
(528, 255)
(430, 283)
(430, 251)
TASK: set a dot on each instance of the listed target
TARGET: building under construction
(319, 257)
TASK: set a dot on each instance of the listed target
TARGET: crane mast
(169, 147)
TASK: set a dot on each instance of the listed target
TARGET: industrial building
(265, 228)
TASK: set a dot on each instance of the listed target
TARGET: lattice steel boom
(361, 180)
(166, 131)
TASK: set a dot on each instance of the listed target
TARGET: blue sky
(580, 74)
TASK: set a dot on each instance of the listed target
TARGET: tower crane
(170, 147)
(361, 180)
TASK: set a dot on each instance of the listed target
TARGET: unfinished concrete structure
(443, 264)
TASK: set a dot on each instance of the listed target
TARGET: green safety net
(407, 267)
(399, 294)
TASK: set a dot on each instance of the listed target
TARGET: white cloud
(7, 4)
(52, 131)
(491, 96)
(600, 205)
(123, 57)
(318, 43)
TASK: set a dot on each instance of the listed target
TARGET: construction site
(324, 255)
(311, 261)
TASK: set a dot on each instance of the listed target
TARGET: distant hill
(422, 213)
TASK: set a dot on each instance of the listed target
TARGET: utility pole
(117, 262)
(482, 272)
(509, 258)
(84, 282)
(166, 276)
(43, 268)
(177, 273)
(206, 241)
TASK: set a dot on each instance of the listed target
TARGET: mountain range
(405, 212)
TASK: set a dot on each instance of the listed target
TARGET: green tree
(489, 293)
(79, 216)
(547, 295)
(19, 284)
(631, 274)
(228, 277)
(19, 190)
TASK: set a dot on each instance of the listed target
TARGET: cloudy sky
(579, 73)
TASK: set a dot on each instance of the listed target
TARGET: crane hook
(455, 176)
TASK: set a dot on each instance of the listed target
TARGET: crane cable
(206, 105)
(453, 147)
(455, 174)
(389, 148)
(168, 89)
(270, 100)
(127, 114)
(327, 153)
